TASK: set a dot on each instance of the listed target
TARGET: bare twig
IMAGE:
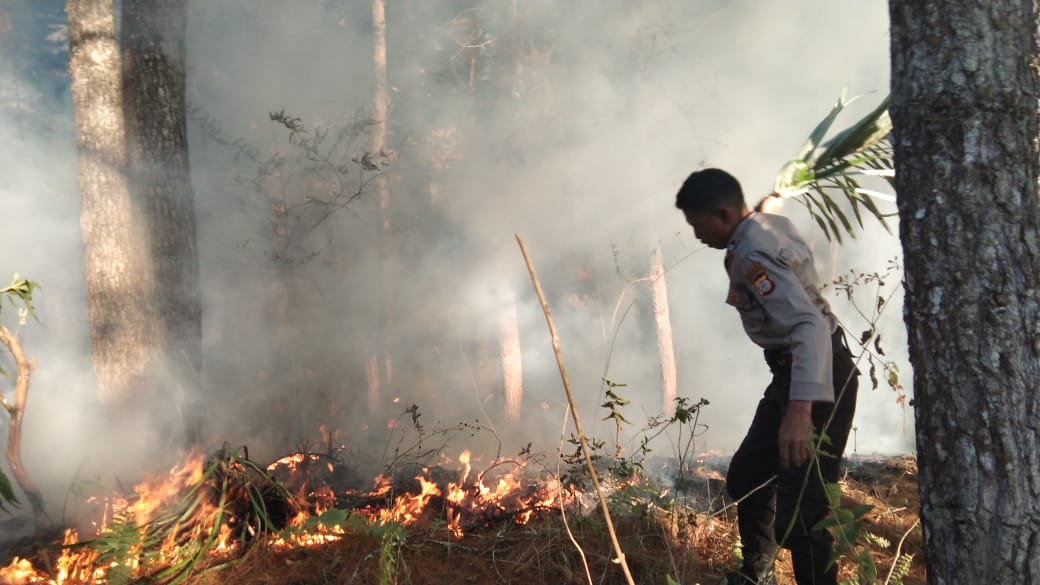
(14, 433)
(574, 414)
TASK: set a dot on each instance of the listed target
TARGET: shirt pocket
(749, 309)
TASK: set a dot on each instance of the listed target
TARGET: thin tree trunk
(118, 271)
(380, 366)
(663, 328)
(965, 88)
(510, 357)
(658, 284)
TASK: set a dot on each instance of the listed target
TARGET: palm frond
(822, 168)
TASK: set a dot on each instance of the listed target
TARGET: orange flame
(20, 572)
(157, 492)
(467, 500)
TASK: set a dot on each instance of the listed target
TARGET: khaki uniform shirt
(775, 288)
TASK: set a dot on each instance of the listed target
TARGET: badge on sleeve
(756, 273)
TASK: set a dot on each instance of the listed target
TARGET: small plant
(870, 339)
(687, 418)
(853, 541)
(614, 404)
(631, 489)
(391, 540)
(19, 295)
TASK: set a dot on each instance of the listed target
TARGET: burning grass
(308, 519)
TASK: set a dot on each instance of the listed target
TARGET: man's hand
(770, 203)
(795, 431)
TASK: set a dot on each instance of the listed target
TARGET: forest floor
(691, 541)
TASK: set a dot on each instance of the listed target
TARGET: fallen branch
(574, 415)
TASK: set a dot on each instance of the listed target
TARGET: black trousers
(772, 511)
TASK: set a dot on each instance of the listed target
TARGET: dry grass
(695, 548)
(694, 542)
(540, 552)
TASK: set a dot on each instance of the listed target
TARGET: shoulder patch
(760, 281)
(763, 285)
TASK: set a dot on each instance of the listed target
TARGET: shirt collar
(738, 232)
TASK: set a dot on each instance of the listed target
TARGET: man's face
(710, 227)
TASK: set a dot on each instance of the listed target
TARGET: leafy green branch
(822, 169)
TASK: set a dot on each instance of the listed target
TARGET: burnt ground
(688, 538)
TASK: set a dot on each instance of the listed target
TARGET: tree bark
(152, 39)
(510, 356)
(663, 328)
(379, 376)
(965, 87)
(118, 272)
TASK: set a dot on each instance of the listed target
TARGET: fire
(20, 572)
(153, 494)
(408, 508)
(218, 517)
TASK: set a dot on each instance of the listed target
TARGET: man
(776, 472)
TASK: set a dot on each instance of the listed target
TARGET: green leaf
(7, 494)
(833, 494)
(848, 186)
(869, 130)
(21, 289)
(330, 519)
(836, 211)
(867, 569)
(617, 416)
(819, 222)
(827, 216)
(868, 201)
(861, 510)
(816, 136)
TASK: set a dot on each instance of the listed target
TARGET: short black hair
(709, 189)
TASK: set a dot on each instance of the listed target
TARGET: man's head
(713, 203)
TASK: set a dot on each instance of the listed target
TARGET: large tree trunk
(152, 35)
(119, 276)
(964, 107)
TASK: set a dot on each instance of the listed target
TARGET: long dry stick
(14, 433)
(574, 414)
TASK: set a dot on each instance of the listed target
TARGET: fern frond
(900, 569)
